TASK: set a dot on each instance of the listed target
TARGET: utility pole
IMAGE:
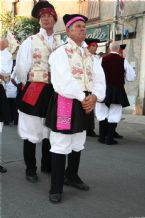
(115, 17)
(141, 98)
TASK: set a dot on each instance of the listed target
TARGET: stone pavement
(116, 175)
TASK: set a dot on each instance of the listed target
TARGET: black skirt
(116, 95)
(41, 106)
(4, 107)
(79, 119)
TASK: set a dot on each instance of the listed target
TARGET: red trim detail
(93, 44)
(32, 93)
(47, 11)
(22, 87)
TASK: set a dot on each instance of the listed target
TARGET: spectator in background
(5, 71)
(6, 60)
(3, 113)
(3, 105)
(101, 54)
(92, 47)
(11, 93)
(109, 113)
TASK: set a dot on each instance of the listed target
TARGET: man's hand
(88, 103)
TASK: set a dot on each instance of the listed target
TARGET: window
(89, 8)
(14, 7)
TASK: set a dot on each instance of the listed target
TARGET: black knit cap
(69, 19)
(40, 5)
(123, 46)
(91, 40)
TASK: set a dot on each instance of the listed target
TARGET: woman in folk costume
(78, 83)
(5, 71)
(33, 71)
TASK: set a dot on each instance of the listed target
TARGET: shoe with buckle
(55, 198)
(2, 169)
(76, 183)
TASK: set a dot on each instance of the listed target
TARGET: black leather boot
(2, 169)
(110, 134)
(46, 156)
(30, 161)
(91, 133)
(116, 134)
(57, 177)
(103, 125)
(71, 173)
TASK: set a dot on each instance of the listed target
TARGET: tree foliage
(20, 26)
(25, 27)
(7, 22)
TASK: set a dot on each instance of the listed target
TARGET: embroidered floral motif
(69, 51)
(81, 65)
(40, 53)
(45, 75)
(37, 55)
(31, 75)
(76, 70)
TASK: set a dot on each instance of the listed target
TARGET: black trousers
(13, 113)
(57, 173)
(29, 152)
(58, 170)
(73, 165)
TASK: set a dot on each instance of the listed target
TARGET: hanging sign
(102, 33)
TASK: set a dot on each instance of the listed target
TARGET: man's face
(77, 31)
(47, 21)
(93, 48)
(3, 44)
(1, 47)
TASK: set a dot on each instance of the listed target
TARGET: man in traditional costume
(6, 63)
(3, 113)
(117, 70)
(78, 82)
(92, 47)
(33, 71)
